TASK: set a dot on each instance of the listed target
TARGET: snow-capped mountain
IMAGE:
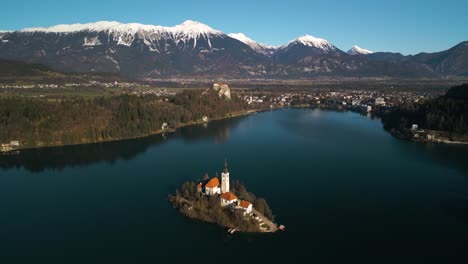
(189, 27)
(125, 34)
(304, 48)
(196, 49)
(311, 41)
(355, 50)
(132, 49)
(259, 47)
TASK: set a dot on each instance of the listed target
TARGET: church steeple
(225, 166)
(225, 178)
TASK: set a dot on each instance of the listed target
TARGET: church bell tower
(225, 178)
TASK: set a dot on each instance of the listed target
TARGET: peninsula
(438, 120)
(45, 122)
(225, 204)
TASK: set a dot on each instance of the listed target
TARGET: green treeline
(446, 113)
(39, 122)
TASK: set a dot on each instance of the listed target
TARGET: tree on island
(195, 205)
(262, 206)
(259, 204)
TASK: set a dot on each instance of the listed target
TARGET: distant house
(5, 147)
(246, 205)
(369, 108)
(228, 198)
(379, 101)
(205, 119)
(14, 143)
(212, 187)
(199, 187)
(414, 127)
(164, 126)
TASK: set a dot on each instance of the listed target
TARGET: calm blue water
(347, 191)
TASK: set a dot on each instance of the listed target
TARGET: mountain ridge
(195, 49)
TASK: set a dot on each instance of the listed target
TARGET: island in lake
(225, 204)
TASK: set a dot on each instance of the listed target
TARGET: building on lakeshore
(5, 147)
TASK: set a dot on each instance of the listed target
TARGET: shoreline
(439, 141)
(450, 142)
(195, 218)
(401, 136)
(393, 133)
(157, 132)
(230, 115)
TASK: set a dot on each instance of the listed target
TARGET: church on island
(214, 187)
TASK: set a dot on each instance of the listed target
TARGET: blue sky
(398, 26)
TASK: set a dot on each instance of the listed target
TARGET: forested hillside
(446, 113)
(39, 122)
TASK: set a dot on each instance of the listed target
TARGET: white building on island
(212, 187)
(228, 198)
(246, 206)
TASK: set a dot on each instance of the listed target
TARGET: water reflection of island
(37, 160)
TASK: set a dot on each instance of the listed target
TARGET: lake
(346, 190)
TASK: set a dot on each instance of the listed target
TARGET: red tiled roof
(244, 204)
(228, 196)
(212, 183)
